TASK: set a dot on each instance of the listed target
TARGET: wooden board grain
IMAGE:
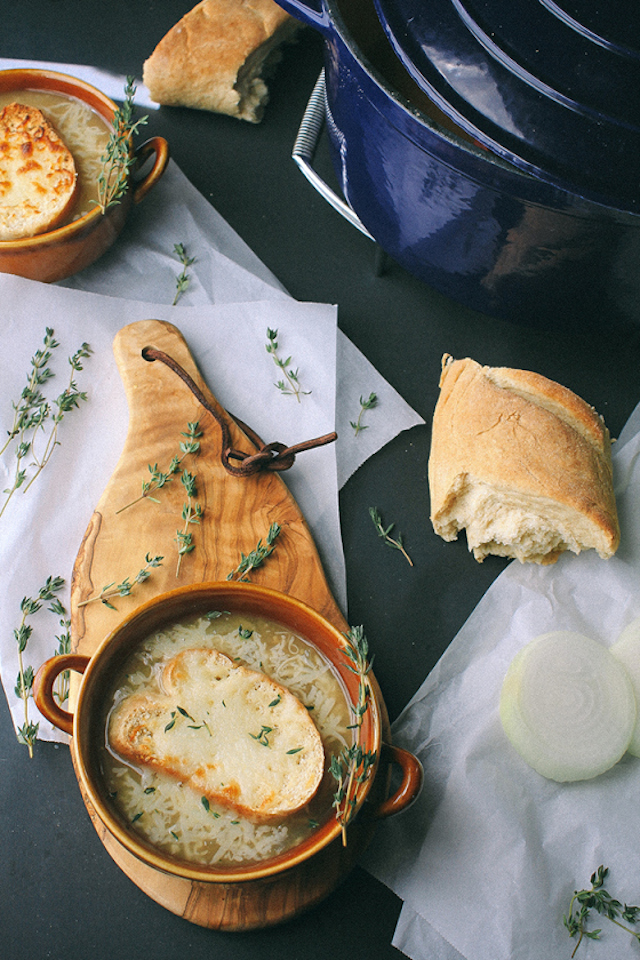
(237, 513)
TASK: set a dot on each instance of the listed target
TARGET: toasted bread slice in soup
(231, 733)
(38, 178)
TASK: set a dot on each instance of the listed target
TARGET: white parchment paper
(487, 859)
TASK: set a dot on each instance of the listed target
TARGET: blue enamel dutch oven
(510, 240)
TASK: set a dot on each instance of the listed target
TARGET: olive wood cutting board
(237, 513)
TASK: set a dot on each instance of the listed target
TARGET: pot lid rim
(507, 108)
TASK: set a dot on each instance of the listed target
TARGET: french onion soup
(219, 736)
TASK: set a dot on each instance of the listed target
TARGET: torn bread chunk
(38, 178)
(216, 57)
(231, 733)
(521, 463)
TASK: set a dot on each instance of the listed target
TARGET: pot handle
(43, 688)
(160, 148)
(304, 150)
(410, 786)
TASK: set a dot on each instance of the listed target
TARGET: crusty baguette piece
(521, 463)
(231, 733)
(38, 178)
(215, 58)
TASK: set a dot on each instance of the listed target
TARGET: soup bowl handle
(43, 688)
(159, 148)
(410, 784)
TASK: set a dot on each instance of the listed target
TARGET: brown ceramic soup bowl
(69, 248)
(252, 894)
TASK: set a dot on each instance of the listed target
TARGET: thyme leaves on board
(190, 446)
(124, 589)
(192, 513)
(257, 556)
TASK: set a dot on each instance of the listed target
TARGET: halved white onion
(568, 707)
(627, 650)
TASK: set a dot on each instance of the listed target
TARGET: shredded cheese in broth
(175, 818)
(84, 132)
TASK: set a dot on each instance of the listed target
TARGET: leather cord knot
(269, 456)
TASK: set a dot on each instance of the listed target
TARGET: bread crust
(213, 58)
(231, 733)
(38, 178)
(530, 454)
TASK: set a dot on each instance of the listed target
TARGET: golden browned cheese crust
(38, 177)
(215, 56)
(231, 733)
(521, 463)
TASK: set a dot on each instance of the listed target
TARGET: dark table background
(61, 896)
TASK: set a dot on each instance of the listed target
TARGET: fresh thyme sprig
(34, 412)
(61, 690)
(28, 732)
(68, 400)
(290, 386)
(118, 158)
(351, 768)
(384, 533)
(191, 514)
(182, 281)
(125, 588)
(257, 556)
(368, 404)
(159, 479)
(598, 899)
(31, 399)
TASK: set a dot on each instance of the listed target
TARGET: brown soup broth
(82, 129)
(172, 816)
